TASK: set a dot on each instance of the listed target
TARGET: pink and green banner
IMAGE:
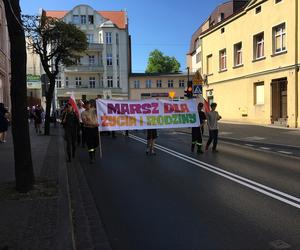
(146, 114)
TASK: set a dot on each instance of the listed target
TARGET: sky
(166, 25)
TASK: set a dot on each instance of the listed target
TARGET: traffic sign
(197, 79)
(197, 89)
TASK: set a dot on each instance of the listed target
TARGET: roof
(117, 17)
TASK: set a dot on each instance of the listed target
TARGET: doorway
(279, 102)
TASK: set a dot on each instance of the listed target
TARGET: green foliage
(159, 63)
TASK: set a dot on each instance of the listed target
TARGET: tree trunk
(49, 97)
(22, 149)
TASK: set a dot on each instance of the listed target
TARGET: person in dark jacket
(197, 132)
(70, 123)
(4, 121)
(37, 116)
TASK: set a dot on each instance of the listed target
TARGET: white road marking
(276, 194)
(254, 138)
(264, 148)
(249, 145)
(285, 152)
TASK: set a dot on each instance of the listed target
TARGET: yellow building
(157, 85)
(251, 63)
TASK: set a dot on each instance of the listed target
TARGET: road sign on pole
(197, 89)
(197, 79)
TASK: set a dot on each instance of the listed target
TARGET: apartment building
(103, 70)
(4, 59)
(251, 63)
(158, 85)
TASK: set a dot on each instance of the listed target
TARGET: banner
(146, 114)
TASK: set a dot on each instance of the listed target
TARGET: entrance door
(279, 102)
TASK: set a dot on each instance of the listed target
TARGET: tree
(22, 150)
(56, 42)
(159, 63)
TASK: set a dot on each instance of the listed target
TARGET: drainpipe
(296, 62)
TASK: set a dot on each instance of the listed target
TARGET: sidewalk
(288, 137)
(47, 217)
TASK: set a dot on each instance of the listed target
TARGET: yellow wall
(233, 89)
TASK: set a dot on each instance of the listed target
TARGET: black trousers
(70, 137)
(213, 137)
(91, 138)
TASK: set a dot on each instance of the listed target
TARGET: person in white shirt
(212, 122)
(81, 137)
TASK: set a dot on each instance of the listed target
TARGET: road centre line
(236, 178)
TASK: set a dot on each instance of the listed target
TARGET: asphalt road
(239, 198)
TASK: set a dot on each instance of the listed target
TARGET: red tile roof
(117, 17)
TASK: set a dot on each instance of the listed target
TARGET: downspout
(296, 63)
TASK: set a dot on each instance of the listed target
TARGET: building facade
(104, 68)
(251, 63)
(4, 59)
(157, 85)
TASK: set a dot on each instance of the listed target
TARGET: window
(238, 58)
(136, 84)
(110, 82)
(90, 38)
(118, 60)
(221, 17)
(117, 39)
(258, 10)
(277, 1)
(148, 84)
(109, 59)
(91, 19)
(279, 38)
(118, 82)
(78, 81)
(222, 30)
(170, 84)
(108, 37)
(181, 83)
(83, 19)
(197, 43)
(91, 60)
(92, 82)
(58, 82)
(67, 81)
(258, 44)
(259, 93)
(222, 55)
(158, 83)
(198, 57)
(76, 19)
(209, 65)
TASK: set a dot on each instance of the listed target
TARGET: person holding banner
(151, 136)
(90, 123)
(197, 132)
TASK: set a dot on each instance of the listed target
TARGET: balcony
(95, 46)
(95, 68)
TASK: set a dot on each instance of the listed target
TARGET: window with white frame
(222, 59)
(258, 45)
(158, 83)
(148, 84)
(83, 19)
(181, 83)
(198, 57)
(108, 37)
(259, 93)
(170, 83)
(117, 39)
(67, 81)
(109, 59)
(76, 19)
(279, 38)
(209, 65)
(91, 60)
(58, 82)
(110, 82)
(90, 38)
(136, 84)
(238, 55)
(91, 19)
(92, 82)
(118, 59)
(118, 81)
(78, 81)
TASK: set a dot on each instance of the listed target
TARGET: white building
(104, 68)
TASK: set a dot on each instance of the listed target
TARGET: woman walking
(151, 136)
